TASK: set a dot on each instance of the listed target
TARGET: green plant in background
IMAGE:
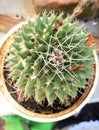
(18, 123)
(50, 58)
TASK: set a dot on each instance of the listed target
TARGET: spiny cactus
(50, 58)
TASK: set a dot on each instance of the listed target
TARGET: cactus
(51, 58)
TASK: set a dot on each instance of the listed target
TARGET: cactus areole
(49, 63)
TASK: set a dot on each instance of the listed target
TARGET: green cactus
(50, 58)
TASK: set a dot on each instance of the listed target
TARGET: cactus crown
(50, 58)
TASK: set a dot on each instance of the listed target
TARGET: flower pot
(66, 6)
(4, 46)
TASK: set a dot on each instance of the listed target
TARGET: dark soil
(32, 105)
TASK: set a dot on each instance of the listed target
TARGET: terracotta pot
(4, 46)
(67, 6)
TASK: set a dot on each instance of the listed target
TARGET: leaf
(89, 62)
(18, 39)
(42, 48)
(69, 89)
(79, 29)
(31, 24)
(51, 99)
(11, 64)
(40, 82)
(12, 51)
(30, 87)
(49, 76)
(21, 82)
(73, 91)
(39, 63)
(79, 84)
(16, 45)
(29, 60)
(66, 87)
(86, 51)
(39, 26)
(39, 95)
(79, 37)
(14, 74)
(52, 19)
(68, 76)
(65, 27)
(60, 16)
(50, 95)
(35, 71)
(12, 58)
(61, 95)
(45, 18)
(28, 44)
(60, 33)
(25, 36)
(18, 66)
(56, 82)
(34, 55)
(19, 32)
(46, 37)
(71, 27)
(46, 70)
(66, 20)
(48, 30)
(82, 83)
(27, 70)
(26, 29)
(49, 90)
(22, 54)
(88, 73)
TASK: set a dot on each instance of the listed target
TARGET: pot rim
(51, 117)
